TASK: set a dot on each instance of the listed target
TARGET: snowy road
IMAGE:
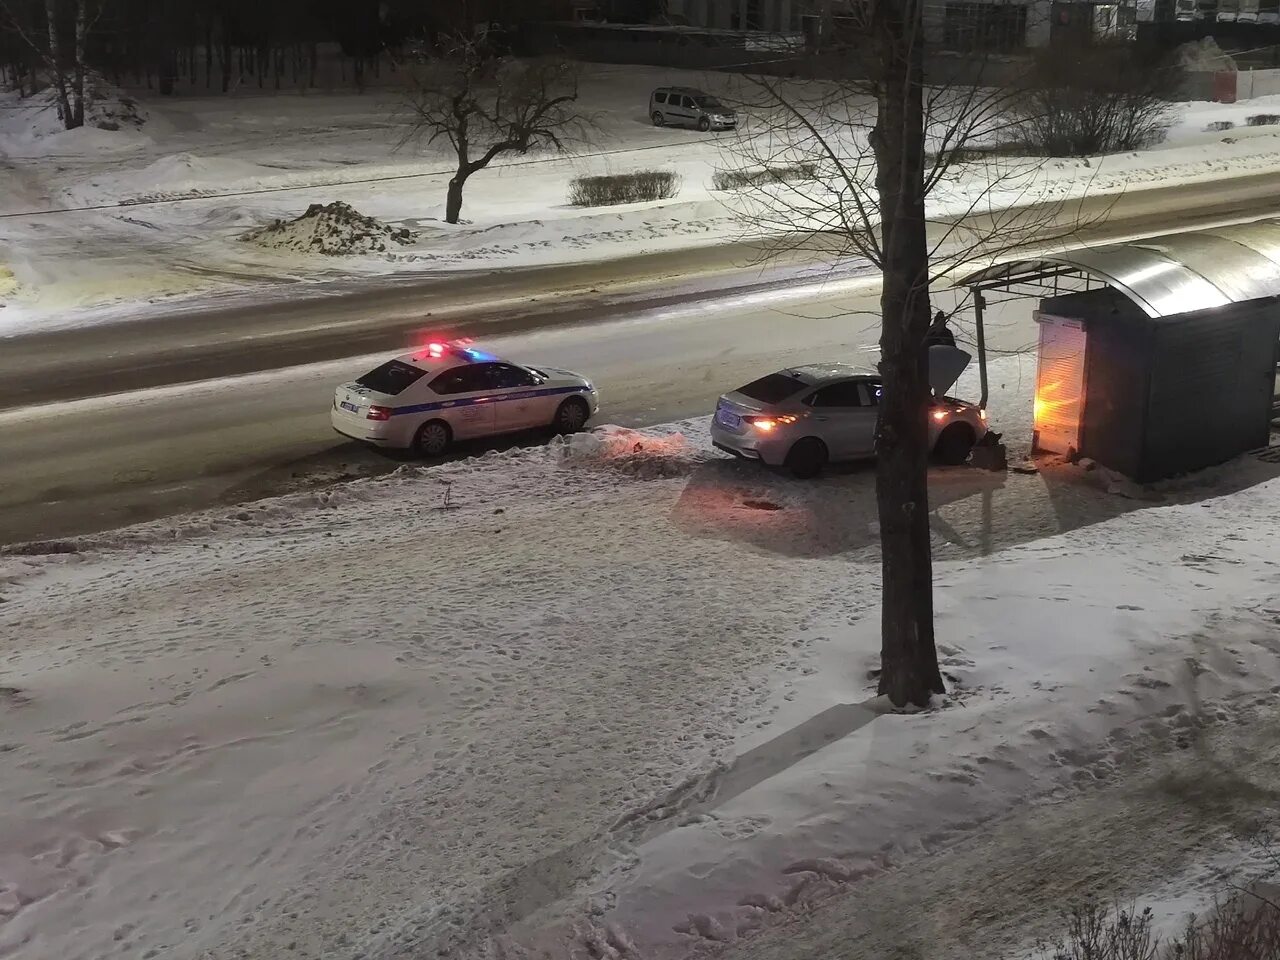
(98, 463)
(262, 329)
(663, 335)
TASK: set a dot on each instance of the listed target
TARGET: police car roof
(442, 356)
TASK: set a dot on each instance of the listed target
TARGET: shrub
(624, 188)
(1219, 126)
(762, 176)
(1080, 101)
(1263, 119)
(1246, 926)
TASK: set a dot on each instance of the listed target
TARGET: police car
(449, 391)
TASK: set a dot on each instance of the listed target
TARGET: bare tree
(485, 106)
(841, 165)
(45, 38)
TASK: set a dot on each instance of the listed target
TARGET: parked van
(686, 107)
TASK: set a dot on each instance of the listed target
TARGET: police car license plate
(727, 418)
(349, 406)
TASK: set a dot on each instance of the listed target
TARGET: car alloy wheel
(572, 416)
(433, 439)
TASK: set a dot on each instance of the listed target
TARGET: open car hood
(945, 366)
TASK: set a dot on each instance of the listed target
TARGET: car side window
(659, 98)
(871, 393)
(843, 394)
(504, 375)
(687, 103)
(464, 379)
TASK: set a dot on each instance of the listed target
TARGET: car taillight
(982, 413)
(769, 423)
(378, 413)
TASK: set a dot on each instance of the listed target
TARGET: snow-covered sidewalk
(498, 697)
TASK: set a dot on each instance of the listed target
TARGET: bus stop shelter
(1156, 357)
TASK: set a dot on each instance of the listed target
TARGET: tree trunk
(453, 205)
(226, 54)
(908, 657)
(55, 57)
(82, 34)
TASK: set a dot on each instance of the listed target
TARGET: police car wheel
(572, 415)
(806, 458)
(433, 438)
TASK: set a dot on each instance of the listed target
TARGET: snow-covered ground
(95, 218)
(569, 696)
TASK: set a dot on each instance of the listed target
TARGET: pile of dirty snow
(334, 229)
(1204, 55)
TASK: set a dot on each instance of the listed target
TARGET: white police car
(444, 392)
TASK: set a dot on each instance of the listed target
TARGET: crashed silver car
(808, 416)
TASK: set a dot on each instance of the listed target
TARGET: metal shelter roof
(1164, 276)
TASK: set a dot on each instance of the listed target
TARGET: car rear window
(774, 388)
(392, 378)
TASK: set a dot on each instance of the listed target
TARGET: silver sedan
(805, 417)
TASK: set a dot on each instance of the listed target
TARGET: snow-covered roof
(1171, 274)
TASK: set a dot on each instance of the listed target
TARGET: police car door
(519, 401)
(466, 400)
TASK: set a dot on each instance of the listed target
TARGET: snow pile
(644, 455)
(334, 229)
(107, 108)
(1204, 55)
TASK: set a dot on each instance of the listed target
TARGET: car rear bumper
(366, 431)
(771, 450)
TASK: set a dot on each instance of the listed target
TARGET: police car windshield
(774, 388)
(392, 378)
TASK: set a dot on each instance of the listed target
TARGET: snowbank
(33, 121)
(334, 229)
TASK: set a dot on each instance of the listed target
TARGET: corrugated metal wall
(1116, 377)
(1212, 375)
(1059, 384)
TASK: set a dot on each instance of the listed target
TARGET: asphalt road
(123, 423)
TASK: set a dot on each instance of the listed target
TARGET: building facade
(773, 16)
(986, 25)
